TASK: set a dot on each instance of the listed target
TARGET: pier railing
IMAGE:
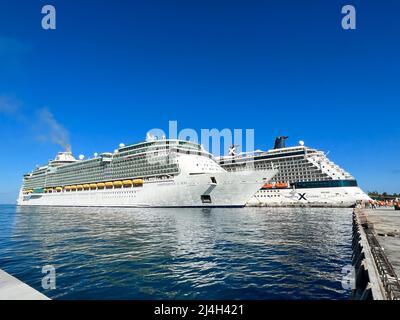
(389, 280)
(387, 274)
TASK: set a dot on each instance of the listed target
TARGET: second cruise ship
(154, 173)
(306, 177)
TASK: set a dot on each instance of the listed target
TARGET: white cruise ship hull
(309, 197)
(231, 189)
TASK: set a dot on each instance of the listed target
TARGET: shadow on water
(128, 253)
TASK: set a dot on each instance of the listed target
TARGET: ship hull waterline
(230, 190)
(338, 197)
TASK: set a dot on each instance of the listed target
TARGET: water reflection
(125, 253)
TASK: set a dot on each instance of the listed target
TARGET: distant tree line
(384, 195)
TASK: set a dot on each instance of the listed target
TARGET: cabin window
(213, 180)
(206, 198)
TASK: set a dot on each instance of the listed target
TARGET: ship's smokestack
(280, 142)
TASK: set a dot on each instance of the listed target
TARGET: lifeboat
(268, 186)
(137, 182)
(127, 183)
(93, 186)
(101, 185)
(58, 189)
(117, 184)
(281, 185)
(68, 188)
(109, 185)
(86, 187)
(79, 187)
(73, 188)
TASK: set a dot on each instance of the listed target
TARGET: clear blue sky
(112, 70)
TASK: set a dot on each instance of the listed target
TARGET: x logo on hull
(302, 196)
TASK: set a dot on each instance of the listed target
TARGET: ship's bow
(236, 188)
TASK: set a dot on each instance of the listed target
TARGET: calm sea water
(249, 253)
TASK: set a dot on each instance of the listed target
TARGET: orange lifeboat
(268, 186)
(281, 185)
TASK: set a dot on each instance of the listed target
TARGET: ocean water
(110, 253)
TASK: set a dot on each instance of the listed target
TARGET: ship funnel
(280, 142)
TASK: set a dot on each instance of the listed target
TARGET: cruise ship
(306, 177)
(153, 173)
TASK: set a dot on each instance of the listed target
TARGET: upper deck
(296, 163)
(144, 159)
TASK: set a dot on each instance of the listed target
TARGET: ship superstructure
(154, 173)
(306, 177)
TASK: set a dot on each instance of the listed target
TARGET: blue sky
(112, 70)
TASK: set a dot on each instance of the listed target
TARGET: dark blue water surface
(249, 253)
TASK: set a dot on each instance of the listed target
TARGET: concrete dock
(13, 289)
(376, 254)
